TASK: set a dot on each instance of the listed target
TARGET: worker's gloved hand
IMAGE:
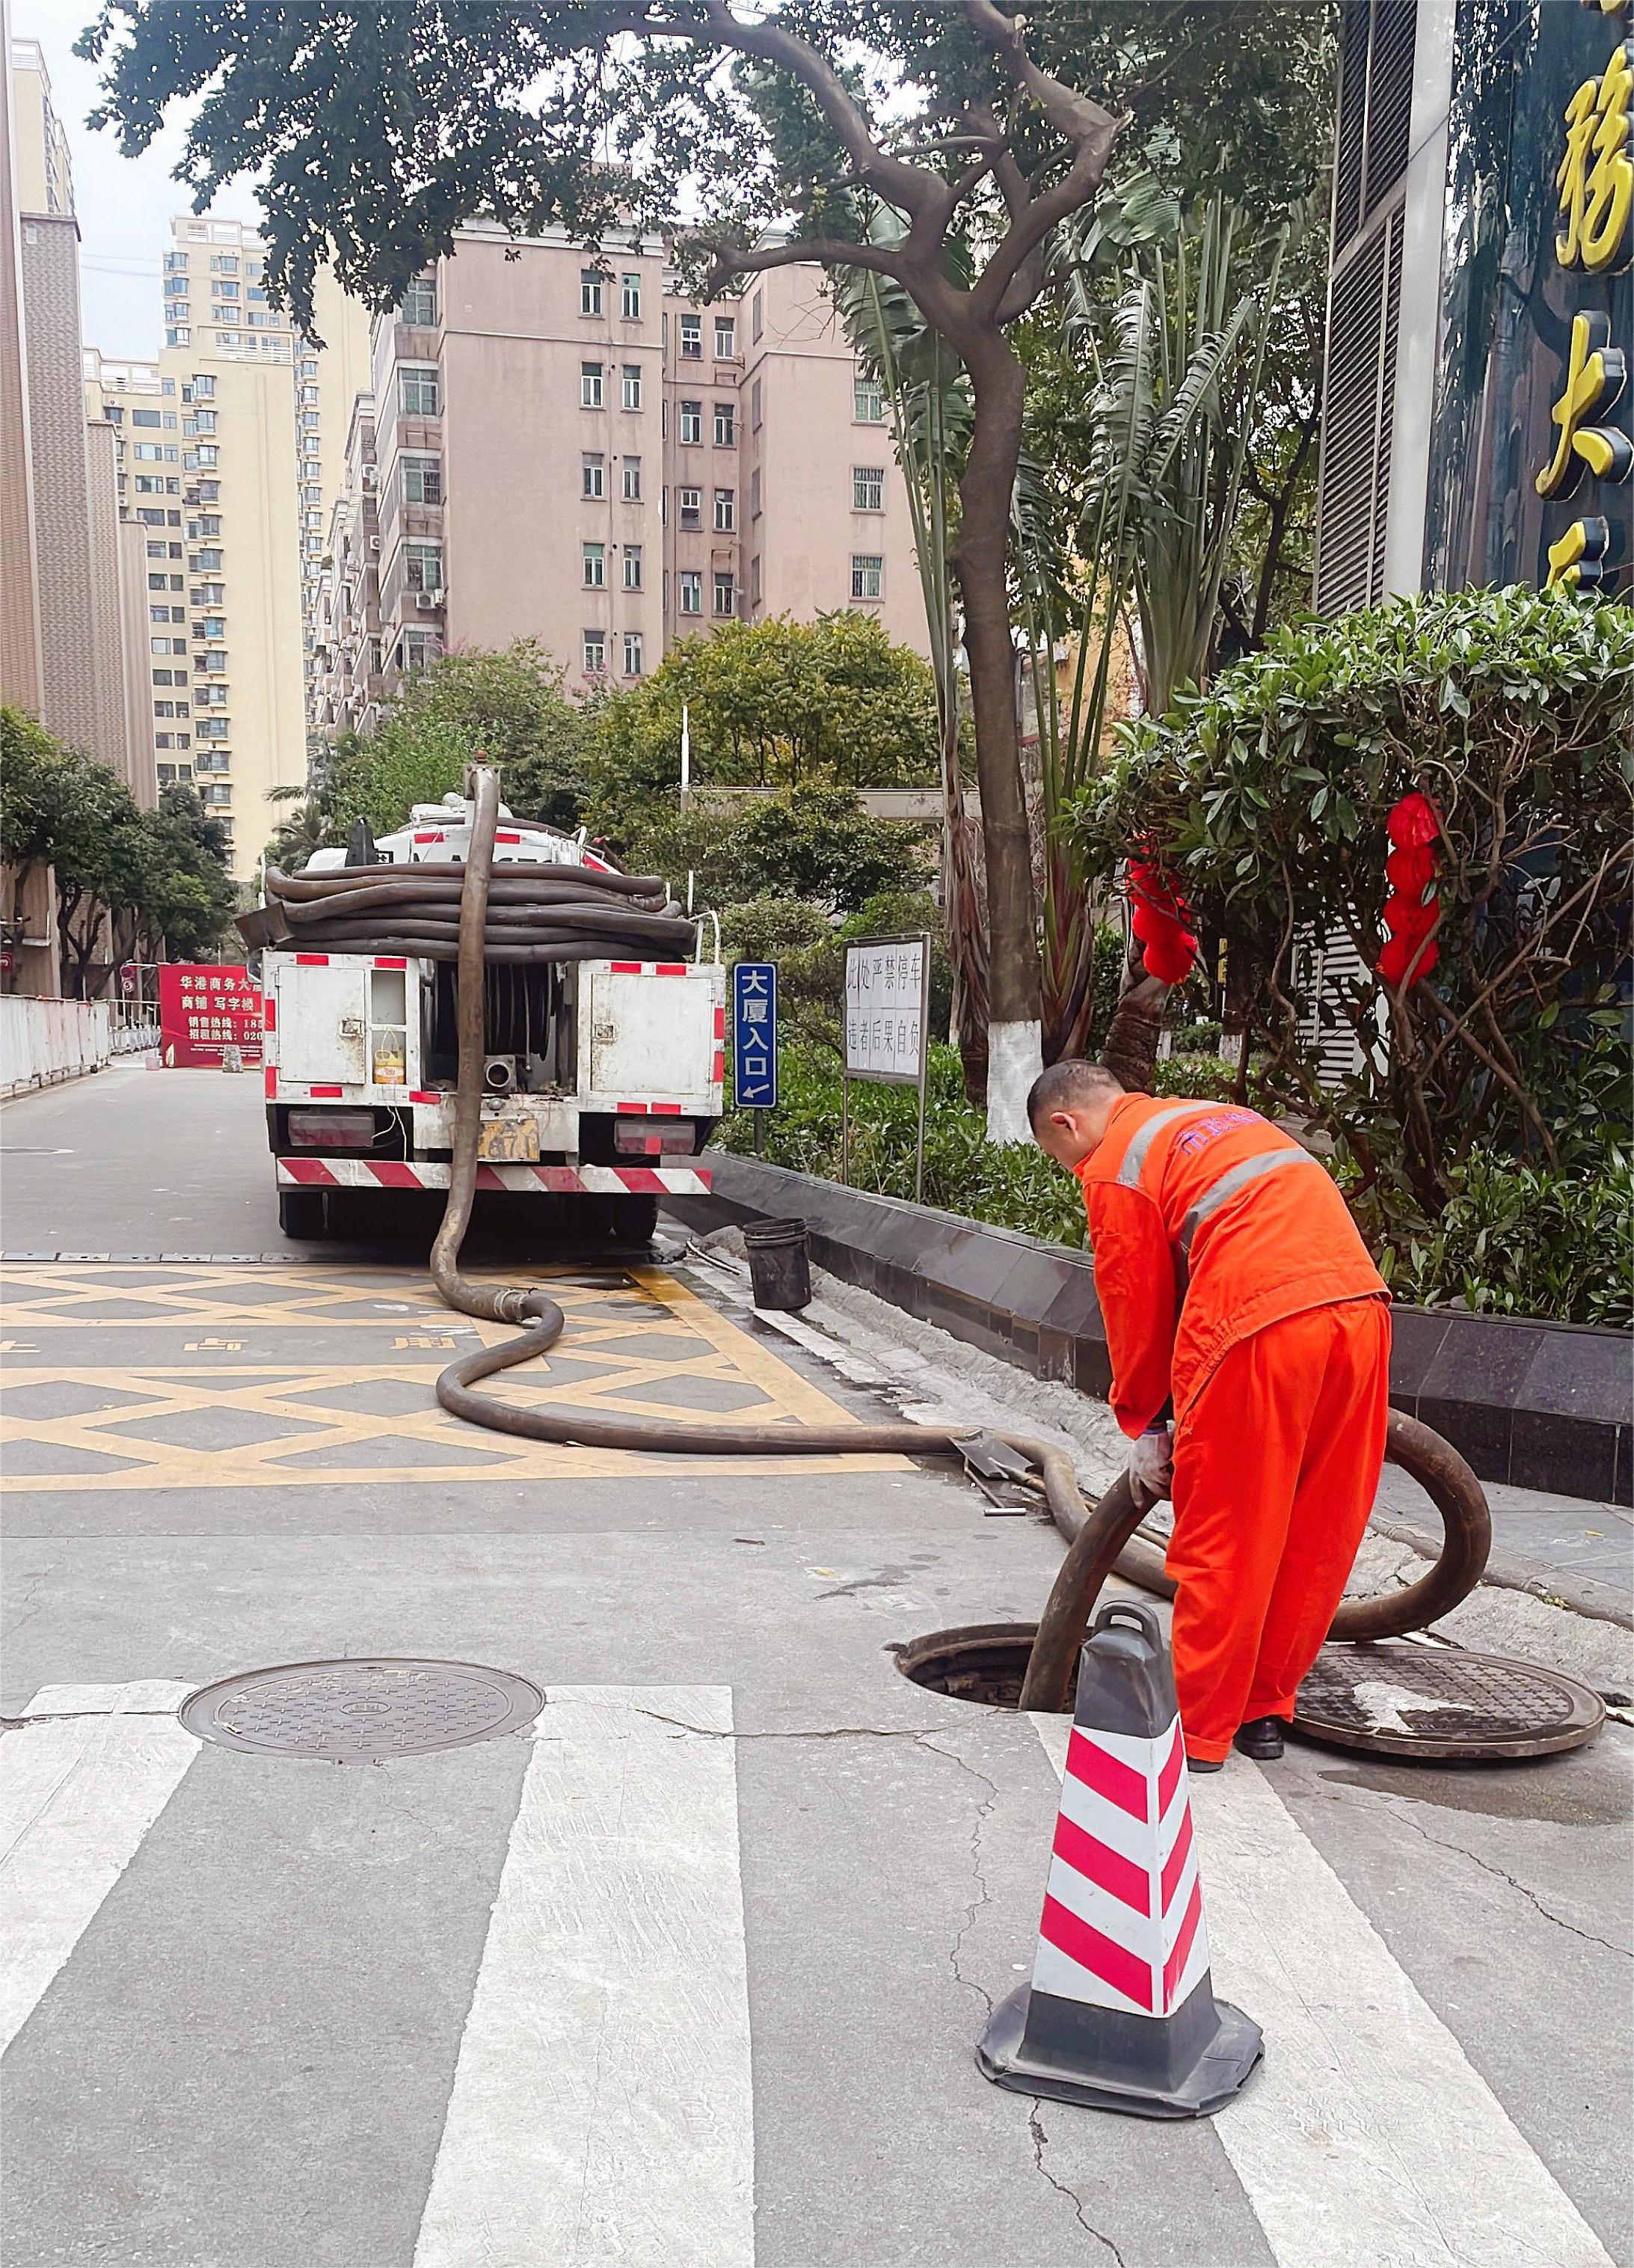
(1151, 1462)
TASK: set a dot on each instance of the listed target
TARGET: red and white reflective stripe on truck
(564, 1181)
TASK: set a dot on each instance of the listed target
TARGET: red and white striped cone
(1121, 2013)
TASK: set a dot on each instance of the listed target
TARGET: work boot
(1205, 1764)
(1260, 1738)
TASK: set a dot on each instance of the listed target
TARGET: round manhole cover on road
(358, 1712)
(1426, 1701)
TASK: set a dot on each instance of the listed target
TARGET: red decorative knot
(1412, 905)
(1162, 924)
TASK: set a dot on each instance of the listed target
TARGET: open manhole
(1397, 1700)
(1435, 1703)
(358, 1712)
(984, 1662)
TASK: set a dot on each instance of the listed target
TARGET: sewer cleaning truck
(603, 1026)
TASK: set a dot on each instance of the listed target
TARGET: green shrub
(1520, 1240)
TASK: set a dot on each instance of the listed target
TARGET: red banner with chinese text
(202, 1010)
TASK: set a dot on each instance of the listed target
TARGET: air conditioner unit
(428, 601)
(370, 479)
(374, 543)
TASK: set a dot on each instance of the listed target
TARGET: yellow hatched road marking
(597, 1374)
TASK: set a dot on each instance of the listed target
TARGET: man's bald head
(1068, 1109)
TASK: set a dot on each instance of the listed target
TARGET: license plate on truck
(514, 1141)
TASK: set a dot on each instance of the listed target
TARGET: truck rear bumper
(559, 1180)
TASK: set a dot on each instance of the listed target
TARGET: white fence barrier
(42, 1042)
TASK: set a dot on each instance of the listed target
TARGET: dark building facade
(1480, 317)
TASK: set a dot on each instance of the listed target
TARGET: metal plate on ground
(361, 1711)
(1436, 1702)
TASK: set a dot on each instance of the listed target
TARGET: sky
(125, 206)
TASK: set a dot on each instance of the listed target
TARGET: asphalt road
(690, 1970)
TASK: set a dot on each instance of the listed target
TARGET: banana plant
(1175, 371)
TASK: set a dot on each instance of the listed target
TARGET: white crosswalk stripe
(83, 1781)
(1367, 2139)
(601, 2109)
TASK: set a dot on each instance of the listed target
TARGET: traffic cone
(1121, 2013)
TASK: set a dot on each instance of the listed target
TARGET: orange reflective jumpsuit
(1232, 1279)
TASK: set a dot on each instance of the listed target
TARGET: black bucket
(779, 1267)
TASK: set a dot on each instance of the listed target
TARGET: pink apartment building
(566, 449)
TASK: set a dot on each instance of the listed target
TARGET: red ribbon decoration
(1412, 904)
(1161, 922)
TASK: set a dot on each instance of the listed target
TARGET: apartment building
(232, 716)
(344, 681)
(329, 379)
(20, 661)
(568, 450)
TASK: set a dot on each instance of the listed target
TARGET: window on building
(311, 419)
(725, 425)
(726, 337)
(691, 420)
(175, 263)
(630, 299)
(212, 626)
(690, 503)
(209, 492)
(867, 488)
(632, 480)
(419, 395)
(754, 580)
(225, 292)
(201, 421)
(692, 338)
(167, 677)
(204, 385)
(160, 583)
(420, 301)
(590, 395)
(212, 759)
(145, 417)
(632, 568)
(422, 566)
(158, 550)
(595, 647)
(632, 386)
(725, 510)
(754, 406)
(210, 594)
(150, 517)
(632, 653)
(755, 316)
(595, 559)
(867, 574)
(867, 400)
(178, 335)
(691, 586)
(205, 562)
(592, 475)
(226, 338)
(422, 480)
(725, 594)
(149, 452)
(417, 650)
(215, 791)
(589, 291)
(754, 493)
(223, 263)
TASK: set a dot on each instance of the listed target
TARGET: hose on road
(1101, 1541)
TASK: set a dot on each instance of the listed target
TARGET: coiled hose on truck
(1099, 1539)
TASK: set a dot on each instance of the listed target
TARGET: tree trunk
(1130, 1052)
(980, 561)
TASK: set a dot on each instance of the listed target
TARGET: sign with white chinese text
(203, 1010)
(754, 1035)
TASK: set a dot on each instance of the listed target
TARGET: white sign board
(885, 1009)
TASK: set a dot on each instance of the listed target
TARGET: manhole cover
(1424, 1701)
(356, 1711)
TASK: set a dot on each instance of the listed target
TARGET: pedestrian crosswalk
(598, 2107)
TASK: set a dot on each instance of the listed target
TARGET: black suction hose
(1099, 1541)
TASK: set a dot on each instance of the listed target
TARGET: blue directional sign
(754, 1035)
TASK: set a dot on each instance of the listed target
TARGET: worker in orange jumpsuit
(1235, 1290)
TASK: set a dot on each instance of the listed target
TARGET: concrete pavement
(465, 2007)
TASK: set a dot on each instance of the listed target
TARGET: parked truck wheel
(301, 1212)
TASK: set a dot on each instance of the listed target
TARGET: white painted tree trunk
(1014, 1060)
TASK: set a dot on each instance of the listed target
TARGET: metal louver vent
(1352, 137)
(1344, 548)
(1390, 97)
(1376, 53)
